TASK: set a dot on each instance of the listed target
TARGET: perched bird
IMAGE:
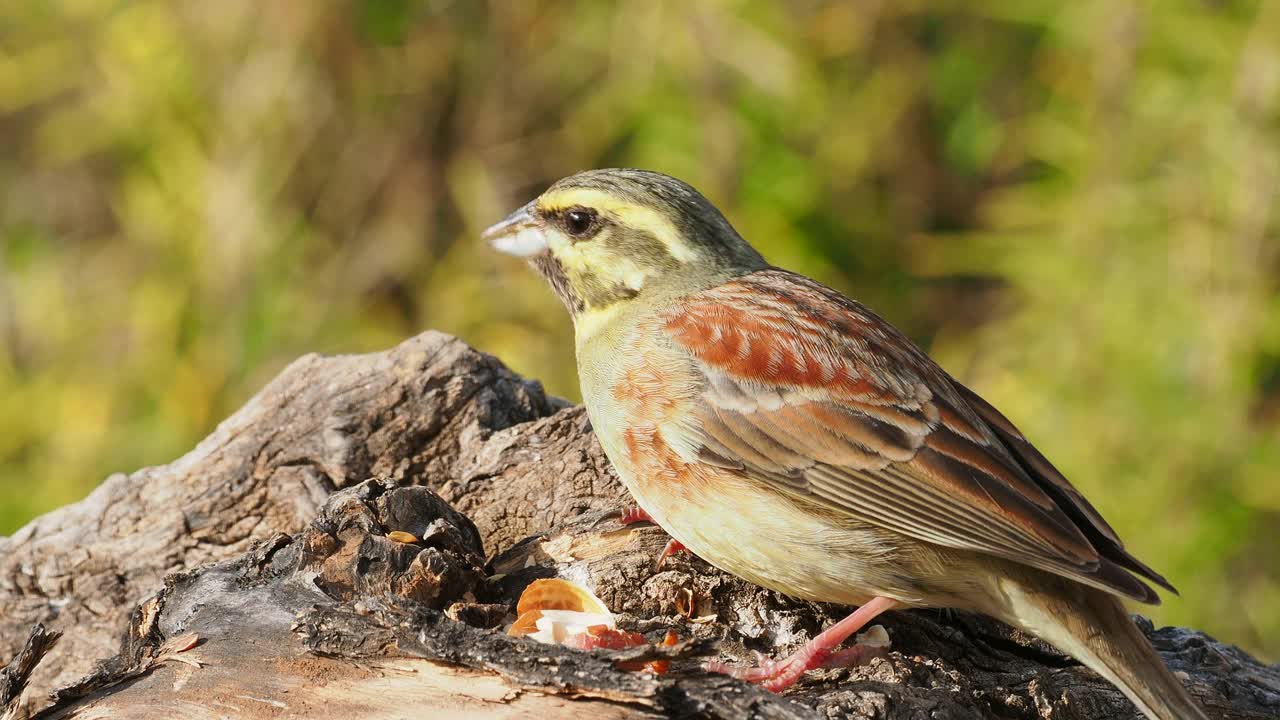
(788, 435)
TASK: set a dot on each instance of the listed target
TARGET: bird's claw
(778, 675)
(635, 514)
(673, 546)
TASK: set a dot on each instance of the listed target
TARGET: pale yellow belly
(749, 531)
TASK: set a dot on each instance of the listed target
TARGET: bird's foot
(636, 514)
(859, 654)
(773, 675)
(673, 546)
(778, 675)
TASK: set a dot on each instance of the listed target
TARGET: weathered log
(253, 578)
(15, 675)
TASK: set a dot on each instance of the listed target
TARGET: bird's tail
(1093, 626)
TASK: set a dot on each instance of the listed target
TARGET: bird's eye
(580, 222)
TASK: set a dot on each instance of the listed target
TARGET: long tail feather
(1094, 627)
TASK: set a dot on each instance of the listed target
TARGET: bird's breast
(641, 406)
(641, 394)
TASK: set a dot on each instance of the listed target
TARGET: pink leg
(673, 546)
(636, 514)
(778, 675)
(854, 656)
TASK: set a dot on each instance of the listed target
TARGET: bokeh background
(1073, 206)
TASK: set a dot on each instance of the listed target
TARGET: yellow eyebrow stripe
(624, 212)
(586, 197)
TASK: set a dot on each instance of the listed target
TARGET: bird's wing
(1086, 517)
(810, 392)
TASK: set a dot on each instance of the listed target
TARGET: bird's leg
(673, 546)
(778, 675)
(637, 514)
(859, 654)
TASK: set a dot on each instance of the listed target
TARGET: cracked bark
(265, 548)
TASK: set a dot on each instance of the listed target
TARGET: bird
(788, 435)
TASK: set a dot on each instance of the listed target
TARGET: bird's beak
(521, 234)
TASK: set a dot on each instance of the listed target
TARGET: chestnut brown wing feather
(811, 393)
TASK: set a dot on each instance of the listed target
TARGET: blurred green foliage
(1072, 205)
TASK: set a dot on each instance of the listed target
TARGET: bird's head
(606, 237)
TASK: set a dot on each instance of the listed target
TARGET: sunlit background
(1073, 206)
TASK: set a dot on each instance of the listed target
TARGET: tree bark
(254, 578)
